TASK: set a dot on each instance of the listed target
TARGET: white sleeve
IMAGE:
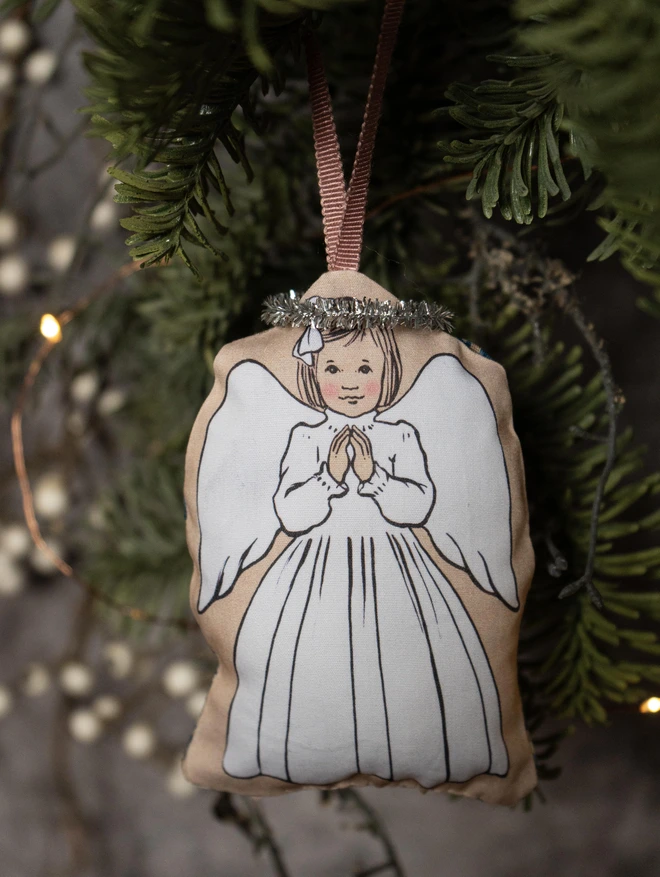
(306, 487)
(404, 493)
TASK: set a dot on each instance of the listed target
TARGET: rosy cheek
(329, 391)
(372, 388)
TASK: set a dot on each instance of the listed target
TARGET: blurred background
(96, 705)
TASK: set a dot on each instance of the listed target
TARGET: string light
(652, 705)
(50, 328)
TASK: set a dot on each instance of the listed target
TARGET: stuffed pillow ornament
(359, 530)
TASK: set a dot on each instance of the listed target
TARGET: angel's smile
(352, 400)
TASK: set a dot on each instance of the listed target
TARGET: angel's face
(350, 375)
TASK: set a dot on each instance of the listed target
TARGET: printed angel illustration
(356, 654)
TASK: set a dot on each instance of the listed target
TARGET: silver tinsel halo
(353, 313)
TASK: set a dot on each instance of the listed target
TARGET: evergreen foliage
(167, 80)
(592, 96)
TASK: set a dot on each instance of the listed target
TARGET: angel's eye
(365, 369)
(332, 369)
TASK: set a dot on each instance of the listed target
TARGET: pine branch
(613, 104)
(519, 164)
(167, 80)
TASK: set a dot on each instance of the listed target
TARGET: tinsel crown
(352, 313)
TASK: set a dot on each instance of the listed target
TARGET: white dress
(355, 654)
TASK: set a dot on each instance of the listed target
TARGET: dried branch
(613, 403)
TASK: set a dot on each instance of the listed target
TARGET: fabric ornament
(357, 519)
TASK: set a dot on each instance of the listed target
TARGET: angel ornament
(359, 530)
(356, 654)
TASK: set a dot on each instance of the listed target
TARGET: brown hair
(308, 384)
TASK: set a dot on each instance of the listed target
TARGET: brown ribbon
(343, 211)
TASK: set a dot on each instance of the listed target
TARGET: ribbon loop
(344, 210)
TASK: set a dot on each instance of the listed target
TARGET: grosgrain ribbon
(344, 210)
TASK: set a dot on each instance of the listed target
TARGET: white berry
(7, 76)
(61, 251)
(39, 66)
(76, 679)
(76, 423)
(12, 577)
(84, 387)
(177, 785)
(50, 497)
(107, 707)
(96, 517)
(195, 703)
(37, 680)
(85, 726)
(180, 679)
(14, 274)
(110, 401)
(6, 701)
(15, 37)
(120, 659)
(41, 562)
(15, 541)
(104, 216)
(139, 741)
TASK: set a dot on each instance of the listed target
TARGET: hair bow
(309, 343)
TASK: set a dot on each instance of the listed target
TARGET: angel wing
(470, 522)
(238, 475)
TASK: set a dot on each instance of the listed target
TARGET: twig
(225, 810)
(58, 153)
(597, 348)
(75, 823)
(375, 827)
(8, 117)
(267, 837)
(423, 189)
(417, 190)
(33, 112)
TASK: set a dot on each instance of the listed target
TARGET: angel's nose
(349, 388)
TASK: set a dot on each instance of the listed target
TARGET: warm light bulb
(652, 705)
(50, 328)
